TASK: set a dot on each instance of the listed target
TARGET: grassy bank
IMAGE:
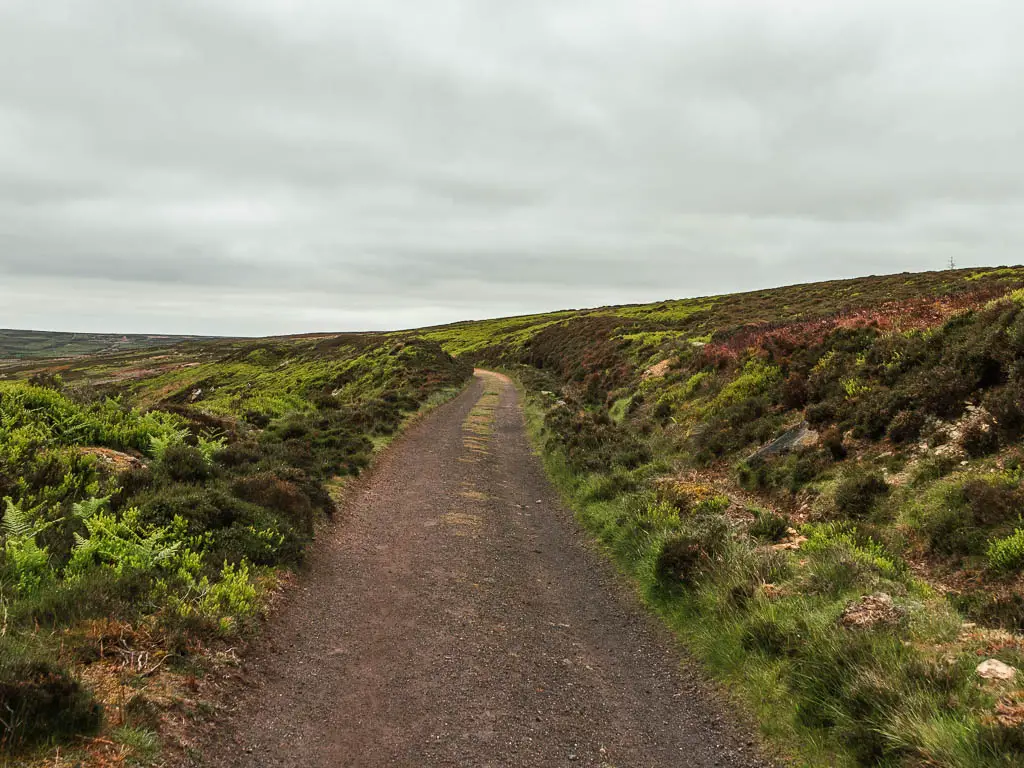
(832, 678)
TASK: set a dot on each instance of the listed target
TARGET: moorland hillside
(35, 345)
(819, 487)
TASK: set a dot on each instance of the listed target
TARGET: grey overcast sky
(273, 166)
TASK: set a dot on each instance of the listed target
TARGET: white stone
(993, 669)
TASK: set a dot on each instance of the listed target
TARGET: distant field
(30, 345)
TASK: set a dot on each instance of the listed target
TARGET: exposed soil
(457, 616)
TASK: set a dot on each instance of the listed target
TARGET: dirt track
(457, 617)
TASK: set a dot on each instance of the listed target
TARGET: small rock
(994, 669)
(792, 542)
(871, 611)
(793, 439)
(657, 371)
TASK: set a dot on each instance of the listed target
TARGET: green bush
(27, 563)
(40, 701)
(957, 516)
(120, 543)
(769, 526)
(839, 561)
(832, 442)
(95, 593)
(692, 549)
(906, 426)
(610, 486)
(184, 464)
(856, 494)
(1007, 554)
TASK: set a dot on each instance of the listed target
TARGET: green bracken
(164, 491)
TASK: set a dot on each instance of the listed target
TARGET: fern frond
(87, 508)
(166, 553)
(17, 523)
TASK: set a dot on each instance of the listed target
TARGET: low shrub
(610, 486)
(688, 553)
(183, 464)
(839, 561)
(129, 483)
(794, 392)
(593, 442)
(788, 473)
(934, 468)
(993, 503)
(662, 411)
(769, 526)
(275, 491)
(1007, 554)
(856, 494)
(765, 634)
(906, 426)
(822, 414)
(979, 438)
(1006, 404)
(958, 516)
(692, 549)
(40, 701)
(96, 593)
(873, 416)
(684, 496)
(242, 454)
(832, 443)
(1005, 611)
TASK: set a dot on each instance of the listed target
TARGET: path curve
(458, 617)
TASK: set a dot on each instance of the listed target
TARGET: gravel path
(458, 617)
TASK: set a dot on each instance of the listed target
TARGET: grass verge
(844, 658)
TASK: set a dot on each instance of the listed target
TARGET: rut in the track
(457, 617)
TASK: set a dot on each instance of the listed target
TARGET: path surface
(458, 617)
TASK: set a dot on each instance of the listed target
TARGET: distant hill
(28, 345)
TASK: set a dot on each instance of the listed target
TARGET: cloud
(267, 167)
